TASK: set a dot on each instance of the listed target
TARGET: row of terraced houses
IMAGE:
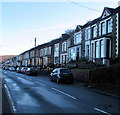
(97, 41)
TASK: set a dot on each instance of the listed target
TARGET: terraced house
(97, 41)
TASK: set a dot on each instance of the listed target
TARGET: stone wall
(81, 74)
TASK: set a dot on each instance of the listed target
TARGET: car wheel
(51, 79)
(58, 80)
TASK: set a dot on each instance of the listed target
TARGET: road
(37, 94)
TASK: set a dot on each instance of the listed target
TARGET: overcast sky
(21, 22)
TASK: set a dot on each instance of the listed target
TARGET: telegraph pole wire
(83, 6)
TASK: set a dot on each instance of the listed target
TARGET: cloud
(64, 26)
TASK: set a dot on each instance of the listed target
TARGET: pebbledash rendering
(97, 41)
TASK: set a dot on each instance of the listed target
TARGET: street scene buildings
(87, 58)
(97, 41)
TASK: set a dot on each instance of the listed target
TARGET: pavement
(6, 108)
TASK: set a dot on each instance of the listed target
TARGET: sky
(24, 20)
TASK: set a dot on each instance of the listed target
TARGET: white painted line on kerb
(11, 102)
(102, 111)
(41, 83)
(64, 93)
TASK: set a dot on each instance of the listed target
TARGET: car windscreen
(65, 71)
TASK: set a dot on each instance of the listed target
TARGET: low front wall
(78, 74)
(81, 74)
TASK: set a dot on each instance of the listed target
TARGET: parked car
(3, 67)
(61, 74)
(6, 68)
(11, 68)
(23, 69)
(31, 71)
(18, 69)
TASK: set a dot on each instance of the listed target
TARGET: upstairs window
(57, 47)
(78, 38)
(45, 51)
(41, 52)
(87, 34)
(49, 52)
(94, 31)
(64, 46)
(109, 26)
(103, 28)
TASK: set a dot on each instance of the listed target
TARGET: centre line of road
(64, 93)
(102, 111)
(40, 83)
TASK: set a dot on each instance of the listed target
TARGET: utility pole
(35, 42)
(35, 54)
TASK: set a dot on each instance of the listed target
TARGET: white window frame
(77, 37)
(41, 52)
(100, 33)
(109, 25)
(94, 32)
(103, 28)
(87, 33)
(64, 46)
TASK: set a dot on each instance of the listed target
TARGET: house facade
(75, 49)
(97, 41)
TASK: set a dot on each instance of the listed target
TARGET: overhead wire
(76, 3)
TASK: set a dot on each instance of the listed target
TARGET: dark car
(23, 70)
(18, 69)
(61, 74)
(31, 71)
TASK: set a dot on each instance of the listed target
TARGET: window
(63, 58)
(107, 48)
(103, 30)
(96, 50)
(101, 49)
(94, 31)
(87, 51)
(41, 52)
(45, 51)
(49, 60)
(49, 52)
(109, 26)
(72, 54)
(78, 38)
(64, 46)
(56, 47)
(92, 50)
(40, 61)
(56, 60)
(56, 50)
(87, 34)
(77, 55)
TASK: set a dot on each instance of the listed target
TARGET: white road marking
(102, 111)
(64, 93)
(41, 83)
(10, 98)
(27, 79)
(34, 81)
